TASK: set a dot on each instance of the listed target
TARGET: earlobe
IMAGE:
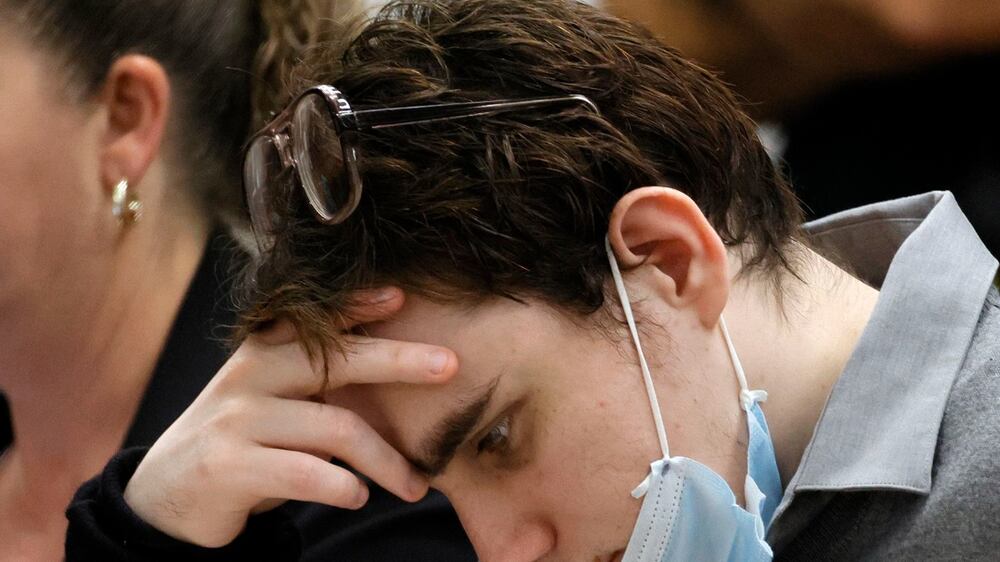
(664, 229)
(136, 99)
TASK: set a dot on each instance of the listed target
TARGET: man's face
(549, 423)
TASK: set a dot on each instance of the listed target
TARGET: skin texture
(546, 472)
(85, 303)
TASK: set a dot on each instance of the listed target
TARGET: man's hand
(254, 438)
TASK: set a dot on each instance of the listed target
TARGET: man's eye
(497, 440)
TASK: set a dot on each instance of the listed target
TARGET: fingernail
(362, 498)
(438, 361)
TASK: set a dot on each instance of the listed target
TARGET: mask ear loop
(654, 404)
(747, 397)
(753, 498)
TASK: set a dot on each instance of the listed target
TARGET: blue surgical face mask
(689, 512)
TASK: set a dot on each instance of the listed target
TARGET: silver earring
(125, 205)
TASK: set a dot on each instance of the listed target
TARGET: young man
(575, 214)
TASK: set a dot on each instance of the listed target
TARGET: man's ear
(136, 99)
(663, 228)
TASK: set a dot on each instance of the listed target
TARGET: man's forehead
(498, 337)
(424, 422)
(421, 319)
(411, 405)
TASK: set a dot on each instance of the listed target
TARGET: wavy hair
(515, 205)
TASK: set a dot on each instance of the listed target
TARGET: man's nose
(505, 529)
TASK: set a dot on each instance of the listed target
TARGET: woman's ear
(136, 99)
(663, 228)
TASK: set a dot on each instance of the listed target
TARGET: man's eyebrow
(450, 433)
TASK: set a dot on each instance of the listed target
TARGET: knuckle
(344, 426)
(304, 478)
(228, 417)
(236, 370)
(400, 357)
(214, 465)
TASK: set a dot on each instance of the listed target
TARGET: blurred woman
(119, 156)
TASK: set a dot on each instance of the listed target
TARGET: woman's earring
(125, 206)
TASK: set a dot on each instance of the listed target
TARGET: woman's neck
(74, 381)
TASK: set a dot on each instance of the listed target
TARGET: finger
(287, 370)
(381, 361)
(268, 370)
(339, 433)
(293, 475)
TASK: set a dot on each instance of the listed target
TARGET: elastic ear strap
(747, 397)
(654, 404)
(740, 375)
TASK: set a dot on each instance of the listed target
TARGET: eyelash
(498, 438)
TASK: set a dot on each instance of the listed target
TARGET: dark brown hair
(223, 58)
(516, 204)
